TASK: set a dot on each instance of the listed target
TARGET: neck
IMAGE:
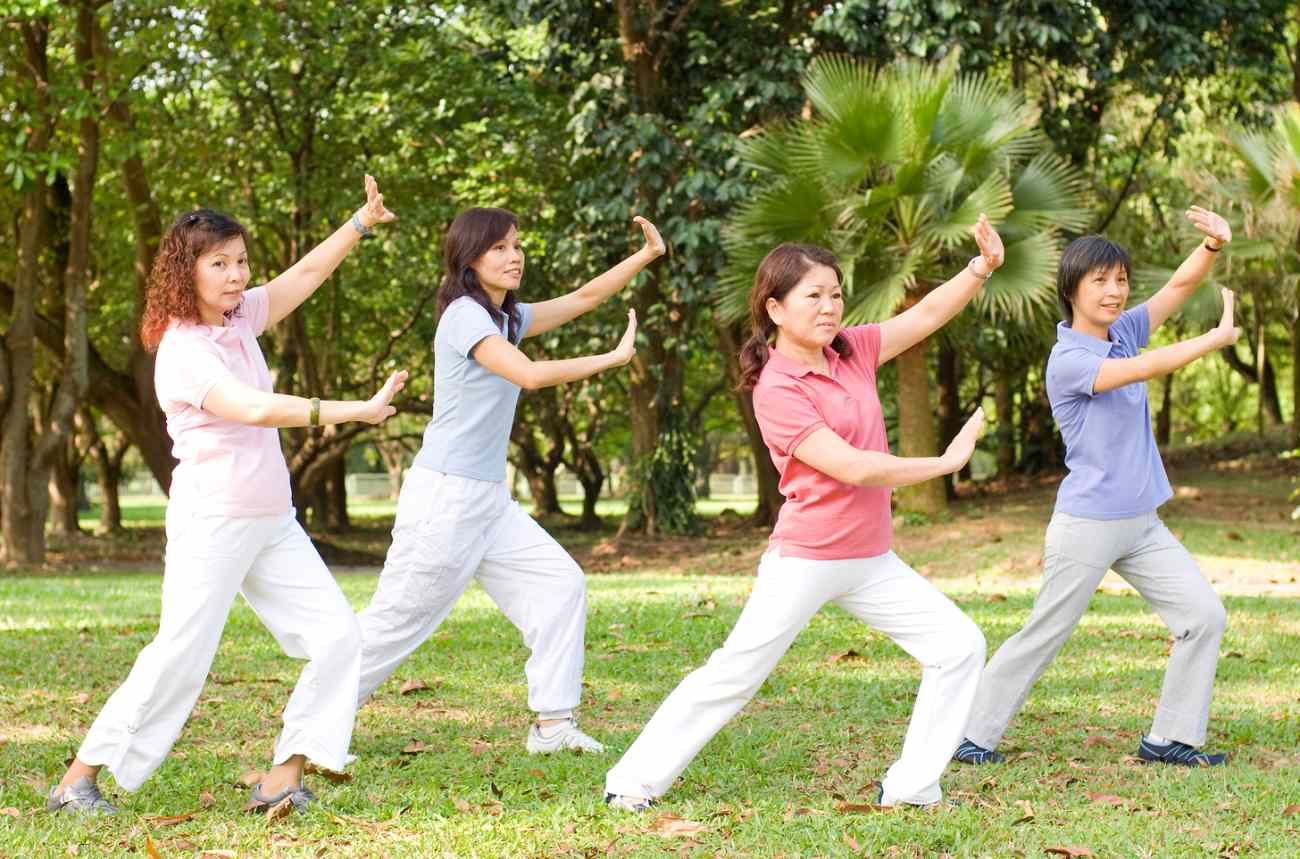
(211, 316)
(1092, 329)
(497, 295)
(801, 353)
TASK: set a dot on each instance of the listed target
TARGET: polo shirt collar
(794, 369)
(1067, 335)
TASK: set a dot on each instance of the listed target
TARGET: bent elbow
(258, 416)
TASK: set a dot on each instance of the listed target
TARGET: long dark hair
(169, 295)
(777, 274)
(1080, 257)
(469, 237)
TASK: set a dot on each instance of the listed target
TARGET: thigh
(206, 559)
(896, 600)
(519, 555)
(1161, 569)
(785, 596)
(293, 592)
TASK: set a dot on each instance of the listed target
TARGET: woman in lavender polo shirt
(1105, 514)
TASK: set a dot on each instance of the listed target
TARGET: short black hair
(1081, 256)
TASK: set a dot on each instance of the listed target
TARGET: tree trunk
(1165, 420)
(537, 468)
(393, 455)
(950, 416)
(916, 431)
(65, 491)
(108, 472)
(18, 546)
(1004, 396)
(591, 475)
(1295, 377)
(337, 490)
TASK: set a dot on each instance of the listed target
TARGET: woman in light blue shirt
(456, 521)
(1105, 515)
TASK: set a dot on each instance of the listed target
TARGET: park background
(877, 127)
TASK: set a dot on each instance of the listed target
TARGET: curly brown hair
(170, 295)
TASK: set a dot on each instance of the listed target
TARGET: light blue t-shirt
(1115, 470)
(473, 408)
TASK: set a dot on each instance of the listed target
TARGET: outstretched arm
(233, 400)
(557, 311)
(297, 284)
(1193, 270)
(931, 313)
(828, 452)
(502, 357)
(1117, 372)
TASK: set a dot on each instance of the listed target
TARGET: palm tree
(890, 170)
(1271, 207)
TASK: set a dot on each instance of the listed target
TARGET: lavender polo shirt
(1115, 470)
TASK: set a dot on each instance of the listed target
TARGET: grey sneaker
(635, 804)
(565, 735)
(258, 802)
(80, 797)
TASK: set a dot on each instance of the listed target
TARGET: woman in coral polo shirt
(814, 386)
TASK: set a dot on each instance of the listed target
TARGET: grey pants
(1076, 556)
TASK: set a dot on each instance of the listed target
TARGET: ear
(775, 311)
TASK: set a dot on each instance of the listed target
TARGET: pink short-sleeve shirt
(823, 518)
(226, 468)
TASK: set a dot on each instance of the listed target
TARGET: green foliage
(663, 483)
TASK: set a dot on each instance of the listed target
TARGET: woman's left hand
(990, 243)
(374, 211)
(654, 243)
(1213, 225)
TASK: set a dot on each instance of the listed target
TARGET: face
(220, 277)
(1100, 297)
(811, 312)
(502, 265)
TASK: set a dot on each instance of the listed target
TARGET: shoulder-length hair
(780, 270)
(170, 295)
(469, 237)
(1081, 256)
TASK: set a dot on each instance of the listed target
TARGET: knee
(1210, 619)
(342, 640)
(967, 646)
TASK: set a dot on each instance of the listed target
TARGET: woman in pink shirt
(230, 524)
(814, 385)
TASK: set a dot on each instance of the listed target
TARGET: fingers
(631, 319)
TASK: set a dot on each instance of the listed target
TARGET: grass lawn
(442, 771)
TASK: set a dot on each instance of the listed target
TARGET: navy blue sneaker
(1174, 752)
(970, 753)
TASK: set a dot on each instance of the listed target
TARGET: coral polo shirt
(824, 518)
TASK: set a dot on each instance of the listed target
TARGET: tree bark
(916, 430)
(766, 478)
(108, 472)
(950, 416)
(1004, 397)
(1165, 420)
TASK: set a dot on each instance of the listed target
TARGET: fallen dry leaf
(461, 805)
(845, 807)
(846, 656)
(536, 773)
(329, 775)
(283, 808)
(11, 812)
(1069, 851)
(413, 685)
(1095, 740)
(219, 854)
(73, 850)
(852, 843)
(671, 826)
(1106, 798)
(414, 748)
(81, 697)
(150, 849)
(169, 819)
(1286, 812)
(493, 808)
(206, 799)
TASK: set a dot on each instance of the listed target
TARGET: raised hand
(654, 243)
(626, 347)
(374, 211)
(1213, 225)
(962, 447)
(990, 243)
(380, 410)
(1227, 331)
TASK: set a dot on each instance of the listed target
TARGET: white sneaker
(555, 738)
(634, 804)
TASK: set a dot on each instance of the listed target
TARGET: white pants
(451, 530)
(883, 592)
(270, 560)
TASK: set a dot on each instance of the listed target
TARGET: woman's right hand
(626, 347)
(962, 447)
(1226, 330)
(379, 408)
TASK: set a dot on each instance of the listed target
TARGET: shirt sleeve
(865, 341)
(525, 319)
(786, 416)
(1134, 326)
(255, 309)
(467, 324)
(1071, 373)
(186, 371)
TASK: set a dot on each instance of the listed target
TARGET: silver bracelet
(971, 265)
(361, 228)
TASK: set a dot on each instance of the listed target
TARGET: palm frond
(1024, 287)
(1047, 193)
(992, 197)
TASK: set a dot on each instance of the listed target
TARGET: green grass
(816, 734)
